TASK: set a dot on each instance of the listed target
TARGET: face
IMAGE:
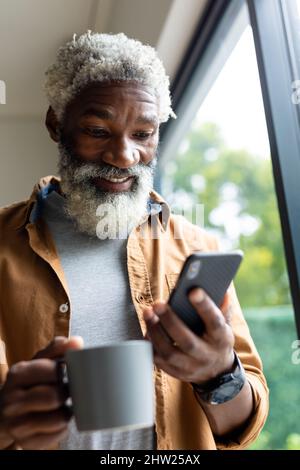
(115, 125)
(108, 144)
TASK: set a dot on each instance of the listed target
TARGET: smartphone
(211, 271)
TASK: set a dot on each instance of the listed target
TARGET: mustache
(82, 171)
(86, 171)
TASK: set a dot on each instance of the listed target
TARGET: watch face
(226, 392)
(224, 387)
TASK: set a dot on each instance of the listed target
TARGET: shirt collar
(156, 204)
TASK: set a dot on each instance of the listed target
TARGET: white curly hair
(94, 57)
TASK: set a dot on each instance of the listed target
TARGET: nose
(121, 154)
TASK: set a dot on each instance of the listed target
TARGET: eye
(142, 135)
(97, 132)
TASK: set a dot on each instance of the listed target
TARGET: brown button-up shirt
(33, 293)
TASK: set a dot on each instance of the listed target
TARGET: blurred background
(31, 31)
(217, 152)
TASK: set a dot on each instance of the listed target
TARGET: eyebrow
(147, 118)
(100, 113)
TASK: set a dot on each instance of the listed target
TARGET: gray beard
(104, 214)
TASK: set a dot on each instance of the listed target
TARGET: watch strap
(224, 387)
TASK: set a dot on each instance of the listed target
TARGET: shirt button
(63, 308)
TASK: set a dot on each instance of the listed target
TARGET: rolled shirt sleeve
(246, 350)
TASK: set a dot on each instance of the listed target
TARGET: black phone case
(216, 272)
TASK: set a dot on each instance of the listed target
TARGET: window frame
(211, 31)
(267, 23)
(282, 117)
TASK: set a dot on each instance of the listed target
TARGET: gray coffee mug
(111, 386)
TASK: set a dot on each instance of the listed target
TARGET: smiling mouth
(114, 184)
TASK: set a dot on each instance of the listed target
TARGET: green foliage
(293, 442)
(262, 442)
(273, 331)
(238, 194)
(238, 188)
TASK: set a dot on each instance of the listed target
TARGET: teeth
(117, 180)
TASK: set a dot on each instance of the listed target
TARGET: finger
(152, 321)
(157, 335)
(43, 441)
(212, 317)
(183, 337)
(225, 302)
(29, 373)
(226, 308)
(150, 317)
(59, 346)
(38, 398)
(162, 343)
(53, 349)
(38, 423)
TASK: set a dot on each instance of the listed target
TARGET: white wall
(27, 153)
(29, 37)
(37, 29)
(141, 19)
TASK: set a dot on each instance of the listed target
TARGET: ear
(52, 124)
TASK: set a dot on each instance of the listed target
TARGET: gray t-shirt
(101, 307)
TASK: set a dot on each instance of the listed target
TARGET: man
(89, 255)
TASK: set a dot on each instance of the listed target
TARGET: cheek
(148, 152)
(85, 147)
(146, 155)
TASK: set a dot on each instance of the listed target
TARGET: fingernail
(159, 309)
(197, 295)
(147, 313)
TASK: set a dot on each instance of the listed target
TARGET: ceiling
(32, 30)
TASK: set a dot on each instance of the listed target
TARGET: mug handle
(63, 382)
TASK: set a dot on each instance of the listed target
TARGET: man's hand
(31, 400)
(190, 358)
(183, 354)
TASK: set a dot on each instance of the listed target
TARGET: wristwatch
(224, 387)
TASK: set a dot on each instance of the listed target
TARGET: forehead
(116, 95)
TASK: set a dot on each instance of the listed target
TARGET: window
(218, 154)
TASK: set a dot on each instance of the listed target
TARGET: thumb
(59, 346)
(226, 307)
(74, 342)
